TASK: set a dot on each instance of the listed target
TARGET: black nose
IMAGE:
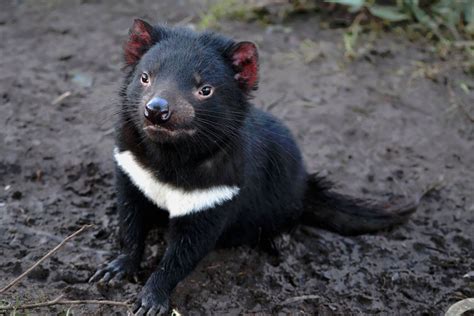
(157, 110)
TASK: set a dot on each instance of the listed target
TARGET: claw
(106, 277)
(115, 270)
(96, 276)
(140, 312)
(151, 305)
(153, 311)
(136, 307)
(163, 309)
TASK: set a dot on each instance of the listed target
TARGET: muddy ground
(395, 119)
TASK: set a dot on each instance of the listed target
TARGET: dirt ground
(395, 119)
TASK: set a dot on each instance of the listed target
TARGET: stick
(49, 254)
(61, 97)
(460, 307)
(299, 298)
(28, 230)
(59, 301)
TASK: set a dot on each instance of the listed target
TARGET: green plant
(220, 10)
(385, 12)
(444, 18)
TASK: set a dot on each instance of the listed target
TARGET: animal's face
(185, 85)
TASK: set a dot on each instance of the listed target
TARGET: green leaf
(464, 87)
(388, 13)
(448, 11)
(469, 12)
(354, 4)
(424, 18)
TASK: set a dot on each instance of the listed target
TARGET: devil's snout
(157, 110)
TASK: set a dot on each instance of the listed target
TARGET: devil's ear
(244, 57)
(141, 37)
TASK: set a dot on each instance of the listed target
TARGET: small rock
(39, 274)
(82, 79)
(395, 276)
(17, 195)
(470, 274)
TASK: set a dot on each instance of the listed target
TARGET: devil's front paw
(151, 302)
(116, 270)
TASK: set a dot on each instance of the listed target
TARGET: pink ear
(244, 57)
(139, 41)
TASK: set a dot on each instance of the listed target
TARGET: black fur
(234, 144)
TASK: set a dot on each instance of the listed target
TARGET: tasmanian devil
(194, 154)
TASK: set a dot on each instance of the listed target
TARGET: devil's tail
(350, 216)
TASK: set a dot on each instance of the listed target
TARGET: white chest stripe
(176, 201)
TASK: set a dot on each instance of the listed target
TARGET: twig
(28, 230)
(299, 298)
(59, 301)
(49, 254)
(61, 97)
(460, 307)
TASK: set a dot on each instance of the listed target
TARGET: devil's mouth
(167, 129)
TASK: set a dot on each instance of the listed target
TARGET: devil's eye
(205, 91)
(145, 78)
